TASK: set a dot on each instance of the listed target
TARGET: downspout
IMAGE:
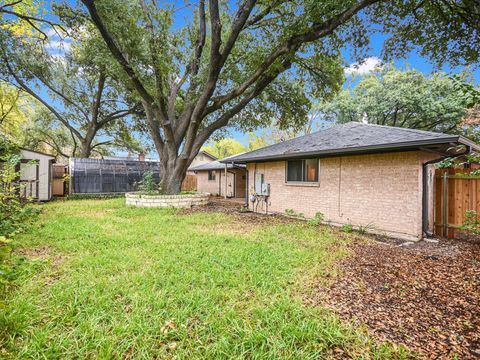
(226, 181)
(246, 190)
(425, 204)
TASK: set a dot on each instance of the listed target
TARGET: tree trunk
(86, 143)
(85, 150)
(172, 172)
(171, 184)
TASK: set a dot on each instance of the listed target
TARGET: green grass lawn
(101, 280)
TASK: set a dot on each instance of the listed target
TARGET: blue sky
(413, 60)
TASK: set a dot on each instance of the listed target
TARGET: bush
(16, 214)
(317, 219)
(471, 223)
(148, 184)
(293, 213)
(346, 228)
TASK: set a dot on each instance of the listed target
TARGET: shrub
(293, 213)
(471, 223)
(363, 229)
(148, 184)
(16, 214)
(317, 219)
(346, 228)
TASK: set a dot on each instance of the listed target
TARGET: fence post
(445, 204)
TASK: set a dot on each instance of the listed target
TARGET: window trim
(303, 182)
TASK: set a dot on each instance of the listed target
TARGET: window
(211, 175)
(302, 170)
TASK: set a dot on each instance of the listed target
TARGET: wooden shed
(36, 174)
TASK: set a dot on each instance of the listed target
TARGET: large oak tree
(242, 63)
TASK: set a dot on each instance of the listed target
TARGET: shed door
(29, 179)
(230, 185)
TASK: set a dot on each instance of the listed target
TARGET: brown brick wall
(217, 187)
(383, 191)
(205, 185)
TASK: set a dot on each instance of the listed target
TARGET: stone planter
(166, 201)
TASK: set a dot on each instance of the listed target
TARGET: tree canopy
(78, 94)
(242, 64)
(206, 66)
(410, 99)
(225, 147)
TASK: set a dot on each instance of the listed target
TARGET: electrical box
(261, 188)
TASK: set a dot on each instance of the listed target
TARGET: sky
(413, 60)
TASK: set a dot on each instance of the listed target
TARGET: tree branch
(27, 89)
(291, 44)
(116, 52)
(98, 97)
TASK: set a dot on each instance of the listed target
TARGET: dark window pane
(211, 175)
(294, 170)
(311, 170)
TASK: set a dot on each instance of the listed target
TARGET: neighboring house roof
(215, 165)
(349, 138)
(208, 154)
(126, 158)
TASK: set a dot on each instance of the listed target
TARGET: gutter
(425, 204)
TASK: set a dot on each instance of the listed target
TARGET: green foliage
(16, 215)
(95, 196)
(317, 219)
(452, 162)
(406, 99)
(15, 110)
(155, 283)
(147, 184)
(471, 223)
(347, 228)
(364, 229)
(224, 147)
(446, 163)
(293, 213)
(80, 102)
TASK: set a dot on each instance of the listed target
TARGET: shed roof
(352, 137)
(38, 153)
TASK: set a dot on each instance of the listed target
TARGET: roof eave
(468, 142)
(360, 150)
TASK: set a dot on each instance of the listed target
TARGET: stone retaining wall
(166, 201)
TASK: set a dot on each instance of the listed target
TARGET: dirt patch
(237, 210)
(425, 296)
(42, 253)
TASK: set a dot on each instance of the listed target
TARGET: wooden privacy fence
(455, 192)
(189, 183)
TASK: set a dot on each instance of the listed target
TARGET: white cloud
(363, 67)
(59, 45)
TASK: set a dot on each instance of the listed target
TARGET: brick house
(211, 179)
(202, 157)
(378, 177)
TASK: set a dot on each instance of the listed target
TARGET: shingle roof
(349, 138)
(214, 165)
(208, 154)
